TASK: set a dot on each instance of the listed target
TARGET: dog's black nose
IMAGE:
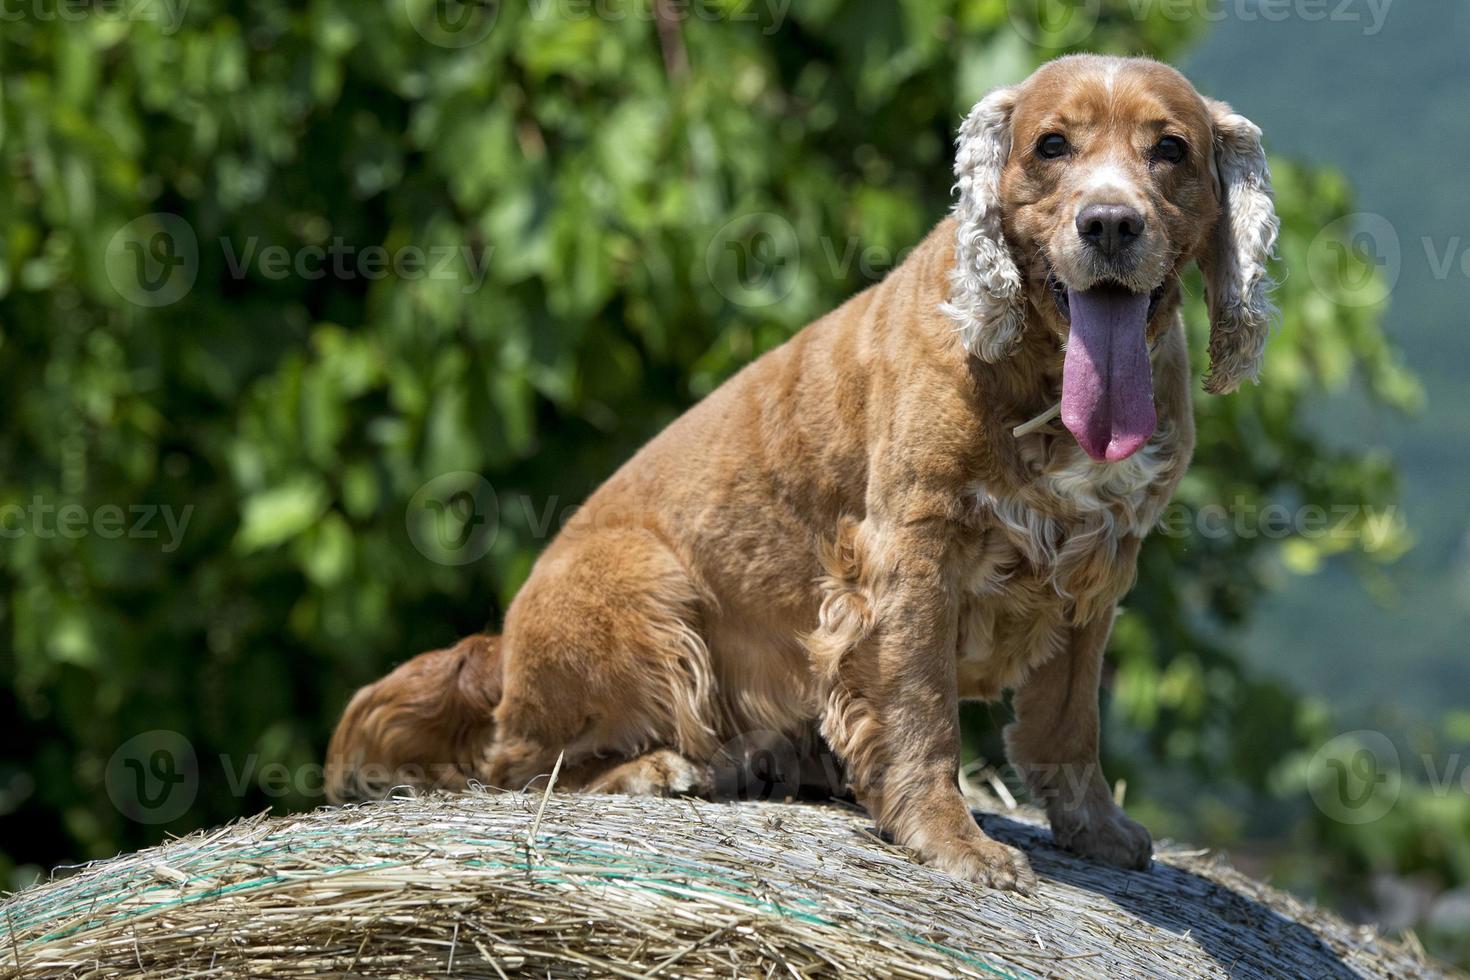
(1109, 227)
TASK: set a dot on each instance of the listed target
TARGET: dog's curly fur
(848, 533)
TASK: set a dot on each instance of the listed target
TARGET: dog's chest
(1077, 498)
(1054, 553)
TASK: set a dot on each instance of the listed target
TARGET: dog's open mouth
(1064, 305)
(1107, 380)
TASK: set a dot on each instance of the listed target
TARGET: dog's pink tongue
(1107, 382)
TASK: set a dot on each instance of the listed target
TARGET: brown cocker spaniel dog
(935, 492)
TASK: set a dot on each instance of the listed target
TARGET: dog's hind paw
(662, 772)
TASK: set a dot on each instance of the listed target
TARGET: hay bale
(492, 885)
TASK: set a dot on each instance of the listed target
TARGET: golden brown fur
(425, 724)
(848, 533)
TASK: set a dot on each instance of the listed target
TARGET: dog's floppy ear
(986, 296)
(1234, 261)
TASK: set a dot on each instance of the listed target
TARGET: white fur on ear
(1236, 282)
(986, 296)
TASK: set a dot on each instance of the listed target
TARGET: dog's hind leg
(662, 772)
(606, 667)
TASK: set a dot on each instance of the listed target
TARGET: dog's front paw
(1104, 834)
(985, 862)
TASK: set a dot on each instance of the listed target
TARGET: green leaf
(281, 513)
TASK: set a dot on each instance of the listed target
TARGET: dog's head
(1083, 192)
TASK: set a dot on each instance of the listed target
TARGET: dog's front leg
(1054, 744)
(885, 651)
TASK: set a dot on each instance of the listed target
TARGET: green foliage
(578, 177)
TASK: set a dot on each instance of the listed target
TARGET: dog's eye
(1170, 149)
(1052, 145)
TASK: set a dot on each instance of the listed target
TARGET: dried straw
(640, 887)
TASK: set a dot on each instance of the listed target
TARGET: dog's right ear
(986, 291)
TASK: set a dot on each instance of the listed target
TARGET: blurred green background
(271, 273)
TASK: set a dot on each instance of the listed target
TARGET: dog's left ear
(1234, 260)
(986, 297)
